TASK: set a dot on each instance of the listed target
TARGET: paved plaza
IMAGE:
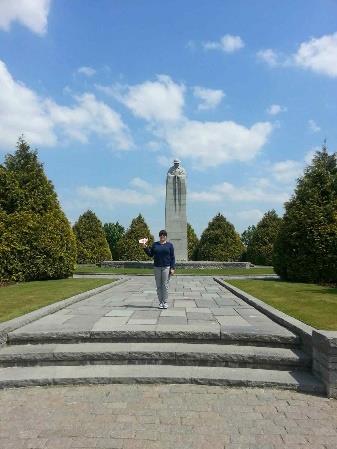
(165, 417)
(196, 304)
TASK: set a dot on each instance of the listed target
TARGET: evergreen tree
(192, 243)
(306, 247)
(92, 245)
(113, 233)
(128, 246)
(261, 243)
(247, 235)
(246, 238)
(220, 241)
(36, 240)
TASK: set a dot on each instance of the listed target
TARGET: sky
(111, 91)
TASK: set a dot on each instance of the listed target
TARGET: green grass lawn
(199, 272)
(18, 299)
(313, 304)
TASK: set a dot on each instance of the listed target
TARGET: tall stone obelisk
(175, 210)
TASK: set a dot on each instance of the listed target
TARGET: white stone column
(175, 210)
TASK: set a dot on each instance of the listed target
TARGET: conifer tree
(247, 235)
(92, 245)
(36, 240)
(113, 233)
(261, 244)
(192, 243)
(306, 247)
(128, 246)
(246, 238)
(220, 241)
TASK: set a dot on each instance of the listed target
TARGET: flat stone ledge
(16, 323)
(168, 353)
(155, 374)
(297, 327)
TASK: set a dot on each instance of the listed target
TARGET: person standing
(164, 265)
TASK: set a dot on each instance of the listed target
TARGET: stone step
(160, 333)
(154, 353)
(100, 374)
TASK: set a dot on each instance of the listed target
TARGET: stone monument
(175, 210)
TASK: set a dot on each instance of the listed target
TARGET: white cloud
(142, 193)
(275, 109)
(313, 126)
(210, 98)
(310, 155)
(164, 161)
(140, 183)
(31, 13)
(268, 56)
(88, 117)
(109, 197)
(22, 111)
(160, 101)
(250, 215)
(154, 145)
(286, 171)
(228, 192)
(212, 143)
(191, 45)
(228, 44)
(319, 55)
(87, 71)
(316, 54)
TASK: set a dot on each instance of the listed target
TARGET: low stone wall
(325, 359)
(180, 265)
(320, 345)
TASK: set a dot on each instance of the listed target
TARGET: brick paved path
(165, 416)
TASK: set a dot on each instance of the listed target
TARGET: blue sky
(111, 91)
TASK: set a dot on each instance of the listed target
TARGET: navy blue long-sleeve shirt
(163, 254)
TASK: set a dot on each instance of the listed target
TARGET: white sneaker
(165, 305)
(161, 305)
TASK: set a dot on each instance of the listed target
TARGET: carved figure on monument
(175, 209)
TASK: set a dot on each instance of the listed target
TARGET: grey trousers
(162, 276)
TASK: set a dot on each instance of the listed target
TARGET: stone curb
(294, 325)
(16, 323)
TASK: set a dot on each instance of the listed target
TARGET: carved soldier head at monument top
(177, 169)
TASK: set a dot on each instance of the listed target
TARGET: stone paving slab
(165, 417)
(119, 310)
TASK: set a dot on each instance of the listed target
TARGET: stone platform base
(200, 264)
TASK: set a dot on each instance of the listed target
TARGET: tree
(192, 242)
(128, 246)
(113, 233)
(220, 241)
(92, 246)
(36, 240)
(306, 247)
(261, 243)
(247, 235)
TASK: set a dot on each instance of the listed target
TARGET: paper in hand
(144, 240)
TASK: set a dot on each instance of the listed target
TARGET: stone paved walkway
(195, 302)
(165, 417)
